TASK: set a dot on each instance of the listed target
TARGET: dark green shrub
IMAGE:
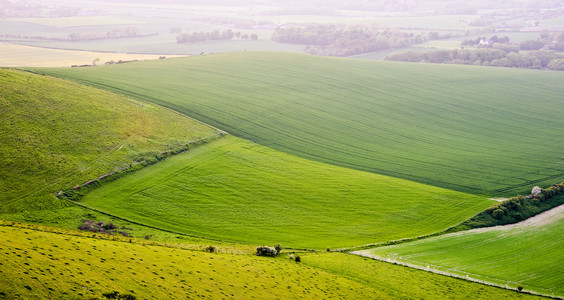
(211, 249)
(117, 295)
(278, 247)
(498, 213)
(298, 259)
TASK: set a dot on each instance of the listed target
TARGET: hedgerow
(515, 209)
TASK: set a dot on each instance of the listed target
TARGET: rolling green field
(487, 131)
(529, 254)
(57, 134)
(235, 190)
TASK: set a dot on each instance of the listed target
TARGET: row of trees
(127, 32)
(214, 35)
(546, 41)
(538, 59)
(332, 40)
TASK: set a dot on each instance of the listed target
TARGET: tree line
(333, 40)
(214, 35)
(547, 52)
(537, 59)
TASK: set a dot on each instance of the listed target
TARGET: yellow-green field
(42, 265)
(13, 55)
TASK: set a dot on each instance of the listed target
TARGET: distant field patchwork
(488, 131)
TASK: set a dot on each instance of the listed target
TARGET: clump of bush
(266, 251)
(269, 251)
(117, 295)
(211, 249)
(101, 227)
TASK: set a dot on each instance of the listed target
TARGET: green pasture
(239, 191)
(487, 131)
(554, 22)
(13, 27)
(437, 44)
(57, 134)
(441, 22)
(405, 283)
(529, 255)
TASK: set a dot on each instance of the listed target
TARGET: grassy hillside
(529, 254)
(56, 134)
(479, 130)
(236, 190)
(43, 265)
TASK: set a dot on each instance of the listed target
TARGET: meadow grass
(488, 131)
(57, 134)
(401, 282)
(235, 190)
(40, 265)
(528, 254)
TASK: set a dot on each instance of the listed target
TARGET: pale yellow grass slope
(12, 55)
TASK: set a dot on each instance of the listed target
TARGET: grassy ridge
(479, 130)
(236, 190)
(529, 255)
(57, 134)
